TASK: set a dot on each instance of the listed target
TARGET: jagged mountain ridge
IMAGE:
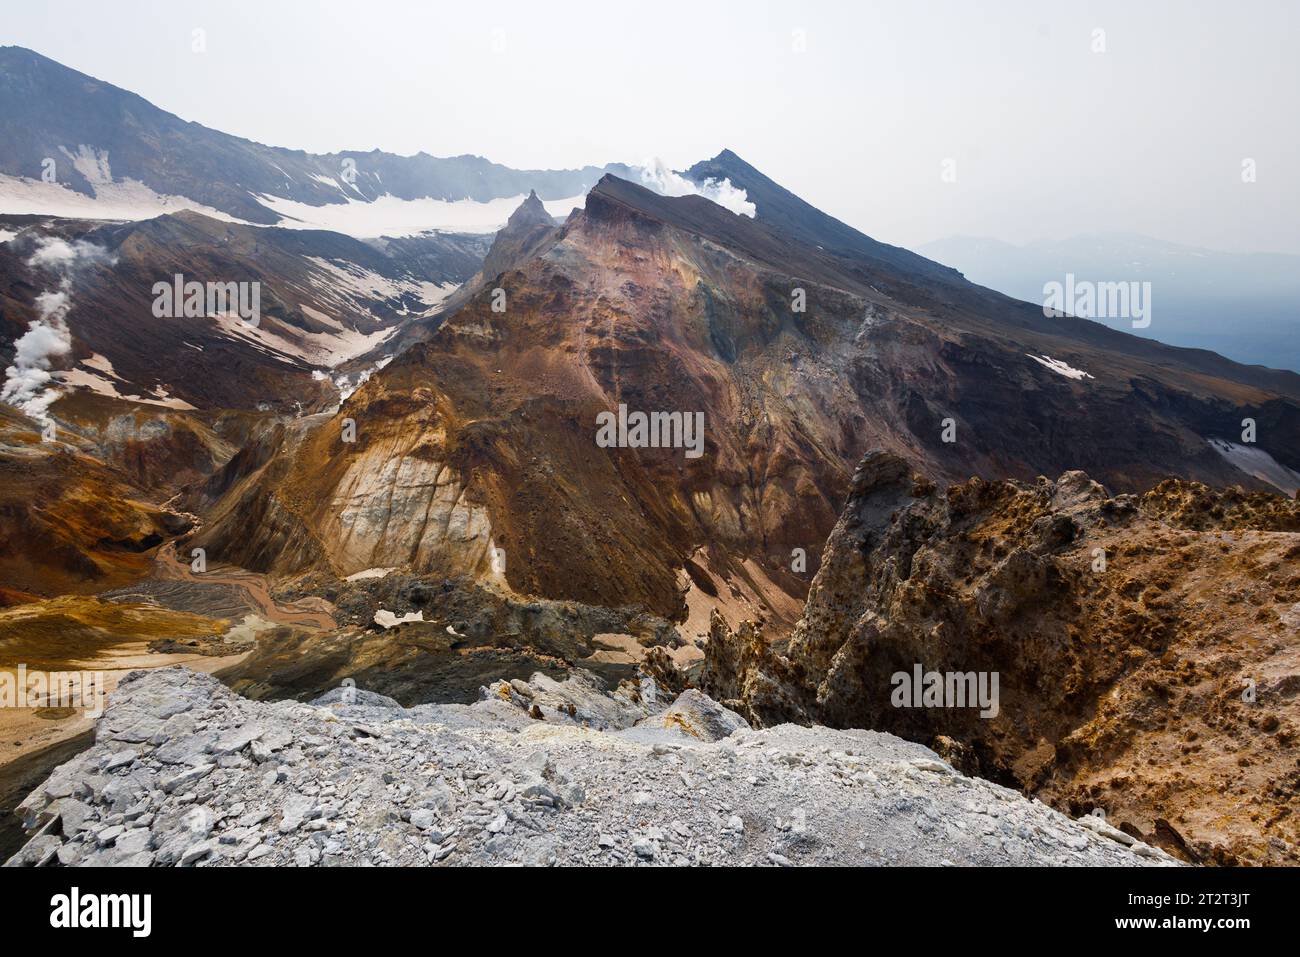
(521, 237)
(482, 437)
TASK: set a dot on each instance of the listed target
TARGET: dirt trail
(168, 567)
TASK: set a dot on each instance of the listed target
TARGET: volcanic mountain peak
(801, 220)
(529, 228)
(522, 237)
(530, 212)
(762, 243)
(676, 305)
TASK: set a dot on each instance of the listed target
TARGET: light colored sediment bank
(26, 730)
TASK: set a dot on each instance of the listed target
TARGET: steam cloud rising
(658, 177)
(27, 381)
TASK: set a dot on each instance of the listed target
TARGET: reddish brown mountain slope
(484, 437)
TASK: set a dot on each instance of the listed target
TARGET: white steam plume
(655, 175)
(27, 382)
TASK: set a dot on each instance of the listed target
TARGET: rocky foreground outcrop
(186, 772)
(454, 637)
(1145, 645)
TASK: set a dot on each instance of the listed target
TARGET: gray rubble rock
(356, 697)
(488, 784)
(696, 715)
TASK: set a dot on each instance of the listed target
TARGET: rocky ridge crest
(185, 772)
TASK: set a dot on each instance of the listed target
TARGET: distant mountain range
(1242, 305)
(115, 155)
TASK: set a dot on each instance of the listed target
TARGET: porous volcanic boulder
(1145, 647)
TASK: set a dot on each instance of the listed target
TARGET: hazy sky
(1049, 138)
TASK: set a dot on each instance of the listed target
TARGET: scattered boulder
(696, 715)
(347, 695)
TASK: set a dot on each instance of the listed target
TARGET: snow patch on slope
(90, 162)
(1059, 367)
(369, 573)
(344, 383)
(1255, 461)
(390, 216)
(128, 200)
(100, 364)
(386, 619)
(101, 385)
(288, 344)
(347, 289)
(350, 282)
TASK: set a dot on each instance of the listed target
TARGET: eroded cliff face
(1145, 646)
(373, 488)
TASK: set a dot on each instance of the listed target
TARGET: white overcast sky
(1050, 139)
